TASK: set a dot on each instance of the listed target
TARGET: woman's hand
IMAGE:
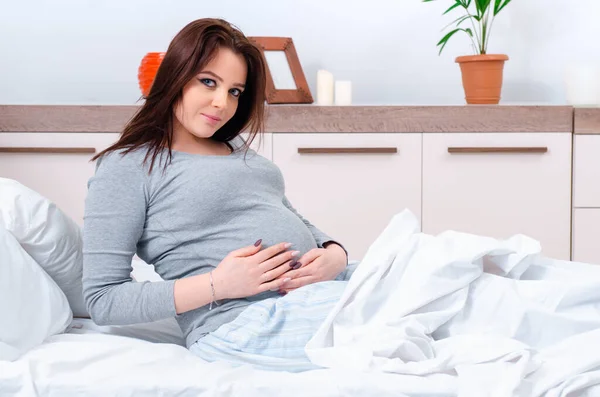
(249, 271)
(318, 264)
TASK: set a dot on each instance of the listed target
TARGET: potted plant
(482, 73)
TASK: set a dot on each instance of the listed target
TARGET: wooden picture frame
(286, 82)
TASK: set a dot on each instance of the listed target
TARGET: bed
(453, 314)
(87, 361)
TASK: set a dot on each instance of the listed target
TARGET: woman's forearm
(192, 293)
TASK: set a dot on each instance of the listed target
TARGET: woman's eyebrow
(216, 76)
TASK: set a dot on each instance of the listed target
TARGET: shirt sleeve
(115, 214)
(321, 238)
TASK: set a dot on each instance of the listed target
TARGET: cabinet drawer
(350, 185)
(56, 165)
(586, 171)
(498, 185)
(586, 235)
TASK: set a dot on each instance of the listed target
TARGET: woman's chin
(204, 133)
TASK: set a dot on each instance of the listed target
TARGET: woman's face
(211, 98)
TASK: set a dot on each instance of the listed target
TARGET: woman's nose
(219, 99)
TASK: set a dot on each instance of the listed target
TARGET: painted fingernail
(287, 245)
(294, 253)
(257, 243)
(285, 280)
(282, 293)
(296, 266)
(293, 263)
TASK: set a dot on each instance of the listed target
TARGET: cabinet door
(498, 185)
(56, 165)
(586, 171)
(586, 235)
(350, 185)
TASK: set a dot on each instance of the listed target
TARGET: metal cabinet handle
(535, 149)
(347, 150)
(59, 150)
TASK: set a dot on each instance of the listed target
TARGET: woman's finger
(246, 251)
(300, 271)
(298, 282)
(277, 272)
(278, 260)
(274, 285)
(310, 256)
(270, 252)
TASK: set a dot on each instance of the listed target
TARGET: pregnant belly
(241, 228)
(284, 226)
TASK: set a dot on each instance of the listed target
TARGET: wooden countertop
(312, 118)
(587, 121)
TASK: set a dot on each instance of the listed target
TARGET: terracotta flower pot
(147, 70)
(482, 77)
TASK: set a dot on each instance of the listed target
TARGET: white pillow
(48, 235)
(142, 271)
(32, 306)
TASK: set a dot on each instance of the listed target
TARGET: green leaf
(447, 37)
(482, 6)
(455, 5)
(458, 21)
(499, 5)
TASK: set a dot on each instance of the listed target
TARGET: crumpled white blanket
(498, 315)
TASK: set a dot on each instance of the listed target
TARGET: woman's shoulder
(239, 143)
(122, 161)
(124, 157)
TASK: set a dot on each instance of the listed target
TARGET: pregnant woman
(182, 190)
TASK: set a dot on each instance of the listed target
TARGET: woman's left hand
(318, 264)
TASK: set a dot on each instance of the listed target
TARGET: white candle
(343, 93)
(324, 88)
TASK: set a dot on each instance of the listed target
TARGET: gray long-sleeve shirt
(184, 221)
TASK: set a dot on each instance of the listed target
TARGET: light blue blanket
(271, 334)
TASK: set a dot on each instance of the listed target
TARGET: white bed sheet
(87, 363)
(150, 360)
(508, 321)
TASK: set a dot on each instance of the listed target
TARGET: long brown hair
(189, 51)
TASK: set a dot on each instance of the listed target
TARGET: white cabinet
(498, 185)
(586, 199)
(586, 171)
(56, 165)
(350, 185)
(586, 235)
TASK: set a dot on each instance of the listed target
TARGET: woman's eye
(208, 82)
(235, 92)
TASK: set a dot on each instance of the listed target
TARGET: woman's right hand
(249, 271)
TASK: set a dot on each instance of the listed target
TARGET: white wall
(88, 51)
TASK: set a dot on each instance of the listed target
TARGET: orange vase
(147, 70)
(482, 77)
